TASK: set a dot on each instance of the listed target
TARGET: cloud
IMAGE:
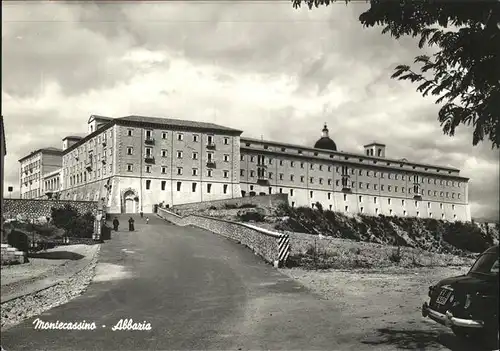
(265, 68)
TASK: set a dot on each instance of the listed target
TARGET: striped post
(283, 249)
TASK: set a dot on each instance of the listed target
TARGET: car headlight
(467, 301)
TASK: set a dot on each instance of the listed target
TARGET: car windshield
(486, 264)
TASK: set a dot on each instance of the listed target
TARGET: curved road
(198, 291)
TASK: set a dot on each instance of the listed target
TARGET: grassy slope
(367, 241)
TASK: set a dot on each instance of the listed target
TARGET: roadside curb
(45, 286)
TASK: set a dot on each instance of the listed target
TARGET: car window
(495, 267)
(486, 264)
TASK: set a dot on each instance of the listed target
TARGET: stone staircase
(11, 255)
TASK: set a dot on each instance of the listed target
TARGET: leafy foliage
(423, 233)
(75, 225)
(464, 72)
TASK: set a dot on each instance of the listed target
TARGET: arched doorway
(130, 202)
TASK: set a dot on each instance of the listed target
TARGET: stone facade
(268, 201)
(353, 183)
(33, 167)
(262, 242)
(133, 163)
(34, 209)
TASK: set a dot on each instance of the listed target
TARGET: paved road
(198, 291)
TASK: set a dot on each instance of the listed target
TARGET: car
(468, 303)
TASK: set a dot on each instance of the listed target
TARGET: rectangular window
(242, 172)
(210, 156)
(179, 154)
(291, 192)
(292, 164)
(195, 155)
(242, 158)
(164, 135)
(226, 174)
(129, 167)
(291, 177)
(281, 176)
(226, 158)
(209, 172)
(209, 188)
(164, 153)
(149, 151)
(195, 171)
(210, 139)
(180, 136)
(311, 194)
(179, 184)
(375, 200)
(148, 184)
(193, 187)
(163, 169)
(195, 138)
(179, 170)
(226, 141)
(149, 134)
(148, 169)
(129, 150)
(129, 132)
(163, 184)
(225, 188)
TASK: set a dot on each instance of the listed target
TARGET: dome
(325, 142)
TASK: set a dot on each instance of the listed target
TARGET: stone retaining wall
(262, 201)
(34, 209)
(267, 244)
(11, 255)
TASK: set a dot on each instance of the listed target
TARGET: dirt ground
(52, 262)
(385, 305)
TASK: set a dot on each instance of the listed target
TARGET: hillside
(427, 234)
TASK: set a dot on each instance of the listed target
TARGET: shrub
(19, 240)
(75, 225)
(45, 230)
(212, 208)
(230, 206)
(319, 206)
(251, 216)
(396, 255)
(248, 206)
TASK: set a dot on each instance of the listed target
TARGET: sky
(273, 71)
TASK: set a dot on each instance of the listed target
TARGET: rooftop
(49, 149)
(75, 137)
(176, 123)
(300, 147)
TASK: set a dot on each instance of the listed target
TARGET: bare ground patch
(383, 306)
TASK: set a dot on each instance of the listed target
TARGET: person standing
(116, 224)
(142, 214)
(131, 224)
(147, 220)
